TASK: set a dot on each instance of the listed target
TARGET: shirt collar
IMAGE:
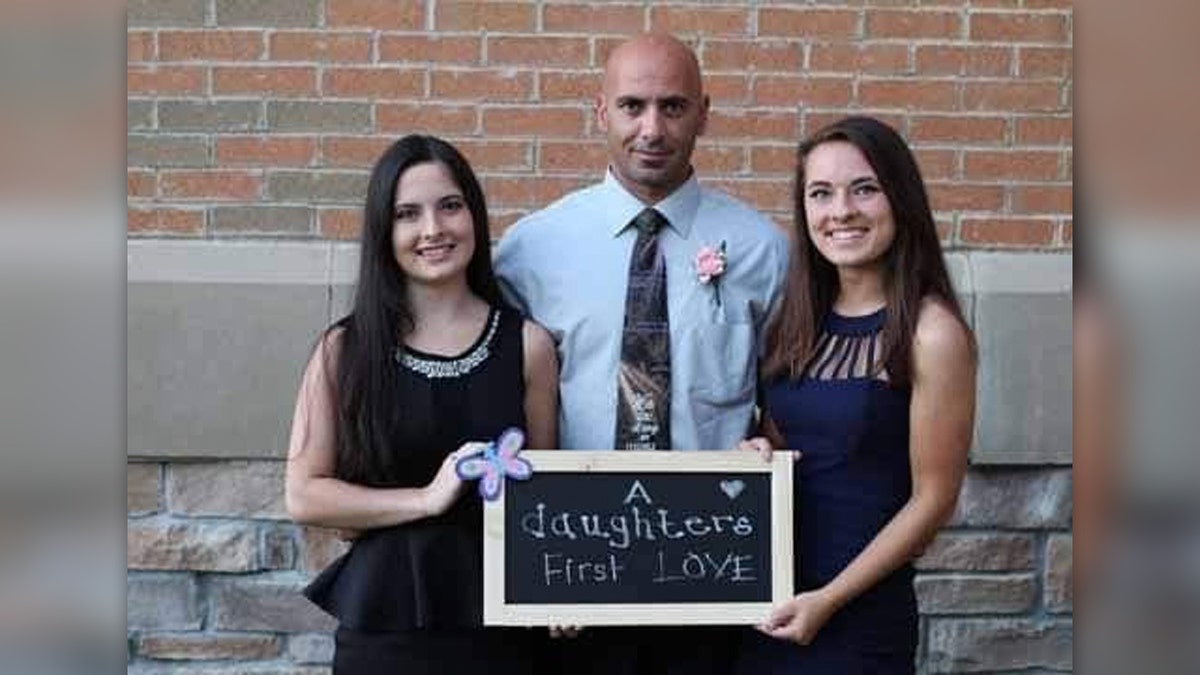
(679, 207)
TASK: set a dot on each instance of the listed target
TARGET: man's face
(652, 110)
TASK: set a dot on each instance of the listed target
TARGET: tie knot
(649, 222)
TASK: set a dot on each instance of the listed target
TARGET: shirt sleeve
(510, 270)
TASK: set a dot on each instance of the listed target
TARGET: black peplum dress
(409, 598)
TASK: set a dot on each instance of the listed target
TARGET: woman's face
(849, 217)
(433, 233)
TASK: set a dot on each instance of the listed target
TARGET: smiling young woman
(870, 374)
(429, 364)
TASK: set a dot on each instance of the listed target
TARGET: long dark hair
(366, 380)
(913, 266)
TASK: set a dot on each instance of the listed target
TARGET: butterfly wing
(472, 467)
(508, 446)
(510, 442)
(489, 486)
(497, 462)
(517, 468)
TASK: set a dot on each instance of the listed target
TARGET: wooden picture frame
(503, 606)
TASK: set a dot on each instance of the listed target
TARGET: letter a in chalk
(637, 491)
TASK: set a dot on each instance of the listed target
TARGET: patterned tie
(644, 377)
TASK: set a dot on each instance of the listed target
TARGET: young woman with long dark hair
(870, 374)
(428, 365)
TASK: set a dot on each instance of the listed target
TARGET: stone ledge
(229, 261)
(1040, 273)
(218, 333)
(283, 261)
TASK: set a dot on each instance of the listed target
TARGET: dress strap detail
(847, 348)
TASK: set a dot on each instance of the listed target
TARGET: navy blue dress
(852, 428)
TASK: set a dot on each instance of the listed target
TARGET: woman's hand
(759, 444)
(762, 445)
(800, 618)
(446, 486)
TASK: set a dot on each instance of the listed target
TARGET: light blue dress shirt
(567, 266)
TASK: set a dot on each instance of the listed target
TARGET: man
(657, 339)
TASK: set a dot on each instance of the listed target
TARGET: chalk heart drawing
(732, 488)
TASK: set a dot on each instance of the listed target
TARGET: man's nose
(652, 124)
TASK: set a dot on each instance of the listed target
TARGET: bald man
(568, 267)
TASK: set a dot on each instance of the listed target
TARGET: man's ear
(703, 126)
(601, 113)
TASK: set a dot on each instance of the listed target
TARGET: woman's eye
(453, 205)
(406, 214)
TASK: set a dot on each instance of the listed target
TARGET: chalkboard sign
(619, 538)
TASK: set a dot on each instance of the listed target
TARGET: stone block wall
(215, 572)
(218, 333)
(216, 568)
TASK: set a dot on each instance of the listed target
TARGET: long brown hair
(367, 384)
(913, 266)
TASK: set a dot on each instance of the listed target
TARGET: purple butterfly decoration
(497, 461)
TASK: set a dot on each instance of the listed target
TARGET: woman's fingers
(757, 444)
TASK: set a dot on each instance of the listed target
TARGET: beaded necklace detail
(437, 369)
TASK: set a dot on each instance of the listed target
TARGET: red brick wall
(262, 118)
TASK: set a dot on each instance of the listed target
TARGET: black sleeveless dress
(409, 598)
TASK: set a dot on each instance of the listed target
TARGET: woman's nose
(843, 206)
(431, 223)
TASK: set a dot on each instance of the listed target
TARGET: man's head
(652, 108)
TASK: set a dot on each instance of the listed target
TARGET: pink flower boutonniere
(710, 265)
